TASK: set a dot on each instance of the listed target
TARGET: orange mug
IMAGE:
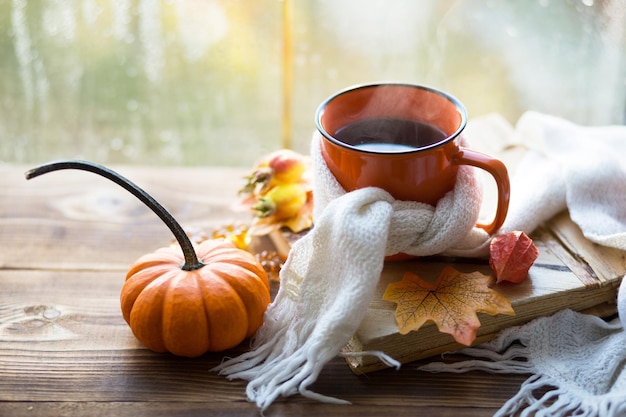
(405, 139)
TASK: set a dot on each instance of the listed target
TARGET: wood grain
(66, 240)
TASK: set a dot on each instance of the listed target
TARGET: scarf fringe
(286, 361)
(285, 375)
(540, 395)
(290, 350)
(559, 402)
(273, 372)
(382, 356)
(276, 368)
(506, 353)
(555, 402)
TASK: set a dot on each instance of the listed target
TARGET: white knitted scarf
(578, 361)
(331, 273)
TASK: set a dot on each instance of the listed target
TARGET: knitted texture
(578, 360)
(568, 166)
(331, 274)
(416, 229)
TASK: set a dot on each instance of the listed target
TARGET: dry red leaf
(511, 256)
(451, 302)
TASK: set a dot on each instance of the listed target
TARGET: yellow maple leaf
(451, 302)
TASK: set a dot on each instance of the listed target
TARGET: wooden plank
(293, 408)
(601, 263)
(77, 307)
(77, 220)
(63, 343)
(65, 340)
(65, 349)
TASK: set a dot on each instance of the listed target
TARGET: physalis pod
(511, 256)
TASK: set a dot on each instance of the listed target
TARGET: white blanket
(579, 359)
(339, 261)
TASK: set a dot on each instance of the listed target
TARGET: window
(202, 82)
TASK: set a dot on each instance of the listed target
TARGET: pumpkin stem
(191, 259)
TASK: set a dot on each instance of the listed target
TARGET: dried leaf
(511, 256)
(451, 302)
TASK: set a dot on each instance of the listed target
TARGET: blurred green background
(201, 82)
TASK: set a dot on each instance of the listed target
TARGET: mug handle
(499, 172)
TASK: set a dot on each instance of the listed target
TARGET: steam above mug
(405, 139)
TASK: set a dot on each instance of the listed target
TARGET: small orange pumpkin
(188, 313)
(186, 300)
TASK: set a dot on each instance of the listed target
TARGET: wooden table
(66, 241)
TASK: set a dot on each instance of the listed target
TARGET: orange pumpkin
(182, 301)
(188, 313)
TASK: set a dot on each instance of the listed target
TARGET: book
(569, 273)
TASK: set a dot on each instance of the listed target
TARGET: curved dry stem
(191, 259)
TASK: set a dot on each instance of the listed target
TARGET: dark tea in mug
(405, 139)
(389, 134)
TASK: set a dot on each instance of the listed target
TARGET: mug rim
(457, 104)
